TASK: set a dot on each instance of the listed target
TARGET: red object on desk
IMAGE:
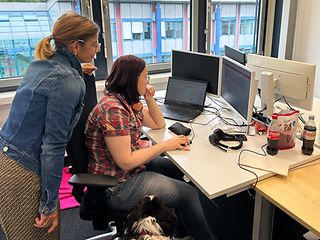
(260, 127)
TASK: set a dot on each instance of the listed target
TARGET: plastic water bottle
(308, 136)
(273, 136)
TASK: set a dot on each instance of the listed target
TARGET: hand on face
(150, 91)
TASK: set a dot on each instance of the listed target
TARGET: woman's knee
(189, 193)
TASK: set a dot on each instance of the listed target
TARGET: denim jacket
(44, 111)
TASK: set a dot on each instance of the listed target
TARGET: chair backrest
(76, 148)
(91, 204)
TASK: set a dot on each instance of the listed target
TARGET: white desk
(215, 172)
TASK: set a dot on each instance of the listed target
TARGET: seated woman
(112, 138)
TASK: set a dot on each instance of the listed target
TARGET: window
(228, 27)
(247, 26)
(169, 28)
(224, 28)
(113, 31)
(178, 29)
(234, 24)
(147, 30)
(20, 31)
(150, 28)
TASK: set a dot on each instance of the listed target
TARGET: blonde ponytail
(44, 50)
(68, 27)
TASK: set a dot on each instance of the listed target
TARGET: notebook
(184, 99)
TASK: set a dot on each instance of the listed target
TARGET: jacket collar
(74, 62)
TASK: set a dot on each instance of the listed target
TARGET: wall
(307, 36)
(159, 81)
(4, 112)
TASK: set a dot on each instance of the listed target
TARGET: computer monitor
(192, 65)
(238, 88)
(235, 54)
(283, 78)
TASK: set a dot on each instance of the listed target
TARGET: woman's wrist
(162, 146)
(149, 99)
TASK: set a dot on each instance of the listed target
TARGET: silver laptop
(184, 99)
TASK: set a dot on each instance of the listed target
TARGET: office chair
(91, 206)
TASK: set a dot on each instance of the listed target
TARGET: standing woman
(46, 107)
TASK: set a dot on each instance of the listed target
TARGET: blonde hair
(68, 27)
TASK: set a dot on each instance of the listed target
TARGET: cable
(224, 120)
(193, 133)
(248, 170)
(204, 124)
(215, 102)
(291, 108)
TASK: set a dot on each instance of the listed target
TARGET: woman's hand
(179, 142)
(45, 221)
(149, 92)
(88, 68)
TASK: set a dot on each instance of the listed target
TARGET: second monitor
(238, 88)
(192, 65)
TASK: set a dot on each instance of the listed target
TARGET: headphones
(219, 135)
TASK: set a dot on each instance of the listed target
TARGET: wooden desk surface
(298, 194)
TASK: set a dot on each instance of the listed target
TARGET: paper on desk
(269, 163)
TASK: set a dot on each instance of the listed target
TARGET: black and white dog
(150, 220)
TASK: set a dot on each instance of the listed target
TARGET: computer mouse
(184, 145)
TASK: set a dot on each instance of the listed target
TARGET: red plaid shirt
(112, 116)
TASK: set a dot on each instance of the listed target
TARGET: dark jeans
(160, 178)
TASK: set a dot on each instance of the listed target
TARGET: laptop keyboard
(177, 110)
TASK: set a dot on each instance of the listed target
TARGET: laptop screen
(186, 92)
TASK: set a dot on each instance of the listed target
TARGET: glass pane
(22, 25)
(233, 23)
(163, 26)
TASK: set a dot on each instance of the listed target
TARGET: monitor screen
(191, 65)
(292, 80)
(188, 92)
(238, 87)
(235, 54)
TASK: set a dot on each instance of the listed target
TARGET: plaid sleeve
(115, 122)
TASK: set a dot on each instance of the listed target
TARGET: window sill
(155, 79)
(7, 97)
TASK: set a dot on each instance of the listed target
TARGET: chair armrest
(92, 180)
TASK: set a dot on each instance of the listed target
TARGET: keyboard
(177, 110)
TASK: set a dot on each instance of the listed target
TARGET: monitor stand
(267, 92)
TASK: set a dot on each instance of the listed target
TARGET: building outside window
(22, 25)
(228, 27)
(247, 26)
(169, 29)
(233, 23)
(149, 29)
(173, 29)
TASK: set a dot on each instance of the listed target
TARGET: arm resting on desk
(127, 159)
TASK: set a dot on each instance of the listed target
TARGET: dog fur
(150, 220)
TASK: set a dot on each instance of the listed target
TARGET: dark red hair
(123, 78)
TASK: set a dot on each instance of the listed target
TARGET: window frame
(198, 42)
